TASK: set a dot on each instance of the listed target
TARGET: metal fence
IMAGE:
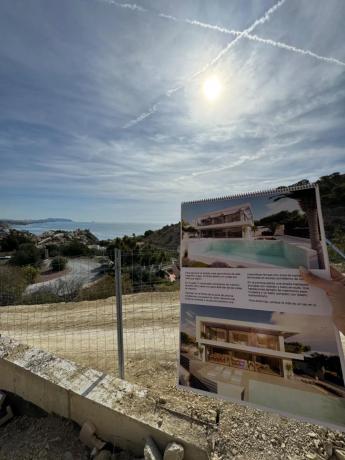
(73, 313)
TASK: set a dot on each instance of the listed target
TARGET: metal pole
(119, 321)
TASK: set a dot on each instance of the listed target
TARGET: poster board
(251, 330)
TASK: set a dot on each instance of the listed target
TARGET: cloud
(266, 17)
(62, 146)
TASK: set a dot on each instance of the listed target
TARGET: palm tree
(307, 201)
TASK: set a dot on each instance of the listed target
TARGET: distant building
(246, 345)
(234, 222)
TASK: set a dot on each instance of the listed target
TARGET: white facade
(236, 221)
(252, 346)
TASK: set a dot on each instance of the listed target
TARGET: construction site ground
(85, 332)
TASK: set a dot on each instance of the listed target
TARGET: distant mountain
(33, 221)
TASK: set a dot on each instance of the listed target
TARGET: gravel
(46, 438)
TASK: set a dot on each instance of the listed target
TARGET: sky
(261, 206)
(315, 331)
(103, 116)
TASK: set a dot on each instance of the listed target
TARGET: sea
(103, 231)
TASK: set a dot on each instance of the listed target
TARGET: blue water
(103, 231)
(267, 252)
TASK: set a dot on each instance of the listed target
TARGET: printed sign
(251, 329)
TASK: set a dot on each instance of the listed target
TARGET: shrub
(43, 295)
(101, 289)
(30, 273)
(75, 248)
(26, 254)
(58, 263)
(53, 249)
(12, 285)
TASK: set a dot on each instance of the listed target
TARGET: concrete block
(151, 451)
(173, 451)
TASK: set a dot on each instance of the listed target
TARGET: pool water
(270, 252)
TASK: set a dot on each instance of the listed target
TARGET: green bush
(27, 254)
(12, 285)
(75, 248)
(58, 263)
(53, 249)
(30, 273)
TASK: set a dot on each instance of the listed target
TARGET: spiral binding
(291, 188)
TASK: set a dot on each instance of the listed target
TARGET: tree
(307, 200)
(27, 254)
(14, 239)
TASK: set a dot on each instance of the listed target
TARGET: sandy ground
(86, 331)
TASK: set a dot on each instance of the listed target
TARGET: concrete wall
(62, 387)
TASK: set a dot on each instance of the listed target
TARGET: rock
(151, 451)
(339, 454)
(173, 451)
(328, 447)
(311, 434)
(88, 437)
(103, 455)
(313, 456)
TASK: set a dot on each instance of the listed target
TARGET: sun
(212, 88)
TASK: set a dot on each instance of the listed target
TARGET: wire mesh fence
(72, 311)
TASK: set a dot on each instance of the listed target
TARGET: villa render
(246, 345)
(234, 222)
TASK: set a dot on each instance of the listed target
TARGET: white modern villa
(246, 345)
(234, 222)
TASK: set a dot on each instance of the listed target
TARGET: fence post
(119, 320)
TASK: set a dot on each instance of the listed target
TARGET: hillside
(167, 237)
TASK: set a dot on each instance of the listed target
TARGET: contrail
(266, 41)
(142, 117)
(211, 63)
(224, 30)
(128, 6)
(295, 50)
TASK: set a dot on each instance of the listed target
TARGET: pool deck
(241, 377)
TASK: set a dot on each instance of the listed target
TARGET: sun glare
(212, 88)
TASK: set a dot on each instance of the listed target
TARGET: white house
(234, 222)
